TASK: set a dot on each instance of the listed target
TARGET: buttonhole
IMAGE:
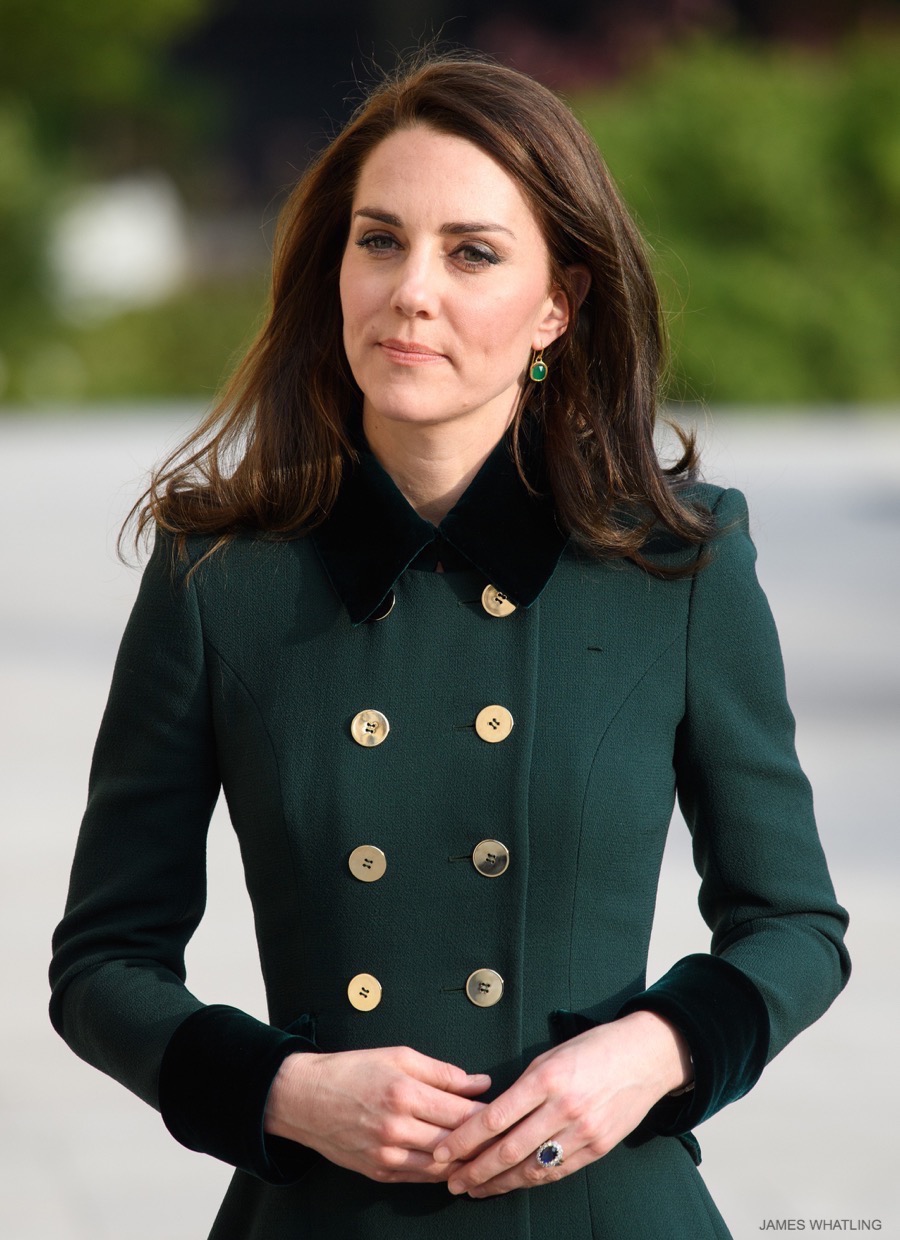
(453, 990)
(464, 857)
(597, 648)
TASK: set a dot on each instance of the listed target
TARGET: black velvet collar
(373, 534)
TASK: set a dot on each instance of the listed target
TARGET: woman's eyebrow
(383, 217)
(470, 227)
(453, 230)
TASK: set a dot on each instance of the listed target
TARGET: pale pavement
(84, 1160)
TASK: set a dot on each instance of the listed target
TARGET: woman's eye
(471, 257)
(476, 256)
(377, 243)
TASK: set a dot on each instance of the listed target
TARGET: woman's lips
(409, 353)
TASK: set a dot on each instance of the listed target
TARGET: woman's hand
(380, 1112)
(587, 1094)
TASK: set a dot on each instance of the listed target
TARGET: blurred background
(145, 150)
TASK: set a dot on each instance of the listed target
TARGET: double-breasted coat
(451, 792)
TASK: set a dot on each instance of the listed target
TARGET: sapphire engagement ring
(550, 1154)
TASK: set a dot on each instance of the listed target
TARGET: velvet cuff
(724, 1020)
(214, 1081)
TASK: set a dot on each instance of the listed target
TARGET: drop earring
(538, 370)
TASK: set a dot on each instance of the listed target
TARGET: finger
(413, 1134)
(475, 1085)
(530, 1175)
(443, 1110)
(444, 1076)
(411, 1177)
(392, 1164)
(431, 1175)
(515, 1149)
(492, 1120)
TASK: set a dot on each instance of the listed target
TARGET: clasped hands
(396, 1115)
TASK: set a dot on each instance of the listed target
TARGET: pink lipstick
(410, 352)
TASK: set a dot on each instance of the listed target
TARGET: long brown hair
(270, 454)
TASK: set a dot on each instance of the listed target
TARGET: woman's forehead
(444, 176)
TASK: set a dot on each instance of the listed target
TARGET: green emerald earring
(538, 371)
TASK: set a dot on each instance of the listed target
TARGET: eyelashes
(481, 255)
(470, 256)
(373, 243)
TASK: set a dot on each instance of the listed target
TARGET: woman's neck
(431, 465)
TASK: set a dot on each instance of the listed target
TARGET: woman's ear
(556, 320)
(564, 305)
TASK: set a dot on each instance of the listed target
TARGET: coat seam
(186, 584)
(713, 854)
(235, 674)
(590, 770)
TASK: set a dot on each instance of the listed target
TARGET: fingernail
(456, 1187)
(442, 1154)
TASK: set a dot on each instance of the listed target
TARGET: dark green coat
(623, 689)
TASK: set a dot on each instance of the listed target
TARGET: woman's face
(445, 284)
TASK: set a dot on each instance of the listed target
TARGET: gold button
(367, 863)
(496, 603)
(490, 858)
(369, 727)
(484, 987)
(364, 992)
(493, 724)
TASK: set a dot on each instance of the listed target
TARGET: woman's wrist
(287, 1089)
(670, 1054)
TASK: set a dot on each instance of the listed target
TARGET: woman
(424, 602)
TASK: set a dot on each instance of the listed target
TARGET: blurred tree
(771, 175)
(771, 181)
(26, 189)
(65, 56)
(95, 80)
(76, 79)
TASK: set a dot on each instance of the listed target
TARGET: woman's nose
(415, 292)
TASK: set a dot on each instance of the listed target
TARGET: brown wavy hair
(270, 454)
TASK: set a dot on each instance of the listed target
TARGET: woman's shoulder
(190, 551)
(726, 508)
(728, 557)
(724, 503)
(221, 573)
(239, 583)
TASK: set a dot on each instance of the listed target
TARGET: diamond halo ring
(550, 1154)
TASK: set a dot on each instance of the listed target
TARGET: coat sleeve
(138, 891)
(777, 958)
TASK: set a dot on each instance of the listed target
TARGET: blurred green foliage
(766, 179)
(186, 346)
(27, 189)
(83, 90)
(66, 56)
(768, 183)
